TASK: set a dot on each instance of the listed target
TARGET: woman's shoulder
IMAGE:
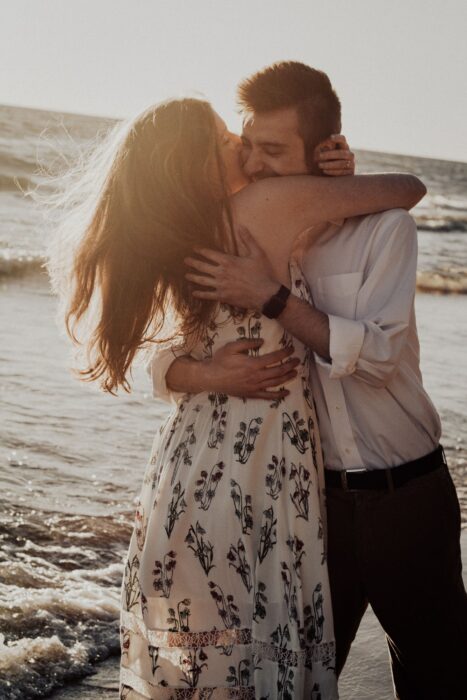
(272, 188)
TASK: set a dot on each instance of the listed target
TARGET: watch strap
(277, 303)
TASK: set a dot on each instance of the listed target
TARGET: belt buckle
(344, 480)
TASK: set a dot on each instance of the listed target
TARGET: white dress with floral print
(226, 591)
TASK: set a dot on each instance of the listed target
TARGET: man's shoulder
(382, 226)
(389, 216)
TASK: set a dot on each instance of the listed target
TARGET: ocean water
(72, 458)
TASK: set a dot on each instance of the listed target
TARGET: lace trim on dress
(194, 640)
(315, 653)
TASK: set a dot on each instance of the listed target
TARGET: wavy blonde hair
(147, 198)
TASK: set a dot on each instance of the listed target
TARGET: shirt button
(338, 408)
(347, 450)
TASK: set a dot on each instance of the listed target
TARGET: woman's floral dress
(226, 591)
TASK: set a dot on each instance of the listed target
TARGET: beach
(73, 458)
(76, 467)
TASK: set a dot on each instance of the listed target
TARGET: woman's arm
(277, 210)
(295, 203)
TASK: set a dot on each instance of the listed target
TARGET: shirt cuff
(157, 368)
(345, 343)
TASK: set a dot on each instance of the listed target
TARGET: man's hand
(232, 371)
(334, 157)
(246, 282)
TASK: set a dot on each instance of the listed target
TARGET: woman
(225, 593)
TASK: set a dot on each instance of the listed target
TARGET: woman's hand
(334, 157)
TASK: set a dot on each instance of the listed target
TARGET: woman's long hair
(118, 257)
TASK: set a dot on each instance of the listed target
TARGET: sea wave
(443, 281)
(34, 667)
(59, 602)
(13, 266)
(442, 224)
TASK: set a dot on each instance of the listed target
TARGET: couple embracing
(300, 476)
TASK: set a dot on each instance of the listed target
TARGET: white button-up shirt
(373, 410)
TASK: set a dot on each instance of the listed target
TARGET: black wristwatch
(276, 304)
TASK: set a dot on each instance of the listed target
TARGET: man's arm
(251, 282)
(368, 347)
(230, 371)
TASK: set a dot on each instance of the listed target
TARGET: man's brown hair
(293, 84)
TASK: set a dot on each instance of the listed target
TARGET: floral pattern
(225, 591)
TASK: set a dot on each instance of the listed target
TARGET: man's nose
(252, 163)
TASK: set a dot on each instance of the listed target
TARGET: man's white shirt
(372, 408)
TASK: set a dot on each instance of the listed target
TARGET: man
(393, 514)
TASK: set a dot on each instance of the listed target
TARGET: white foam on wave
(34, 667)
(443, 281)
(75, 621)
(72, 601)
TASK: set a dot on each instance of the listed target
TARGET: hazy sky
(399, 66)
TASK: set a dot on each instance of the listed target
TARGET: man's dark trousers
(399, 550)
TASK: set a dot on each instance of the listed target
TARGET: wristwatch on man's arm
(277, 303)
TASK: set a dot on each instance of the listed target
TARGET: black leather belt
(377, 479)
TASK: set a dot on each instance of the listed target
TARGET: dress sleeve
(370, 345)
(157, 367)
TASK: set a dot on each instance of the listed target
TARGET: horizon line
(117, 119)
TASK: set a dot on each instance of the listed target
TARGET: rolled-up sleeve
(345, 344)
(369, 346)
(157, 367)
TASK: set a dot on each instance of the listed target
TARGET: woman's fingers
(337, 165)
(336, 155)
(236, 347)
(339, 139)
(279, 370)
